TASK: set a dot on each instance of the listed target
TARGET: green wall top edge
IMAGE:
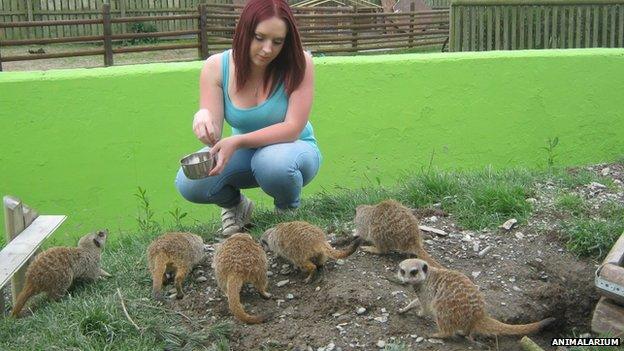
(152, 68)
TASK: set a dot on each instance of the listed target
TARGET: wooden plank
(621, 27)
(457, 29)
(547, 14)
(514, 27)
(605, 25)
(571, 17)
(497, 27)
(538, 27)
(608, 318)
(616, 254)
(489, 19)
(522, 14)
(578, 32)
(587, 34)
(554, 33)
(473, 28)
(612, 22)
(481, 24)
(506, 28)
(530, 25)
(16, 252)
(596, 15)
(13, 225)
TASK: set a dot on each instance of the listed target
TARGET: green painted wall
(79, 142)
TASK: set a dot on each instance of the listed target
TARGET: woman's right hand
(206, 128)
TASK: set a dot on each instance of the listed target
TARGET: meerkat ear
(425, 268)
(102, 233)
(97, 242)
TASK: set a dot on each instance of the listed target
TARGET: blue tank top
(271, 111)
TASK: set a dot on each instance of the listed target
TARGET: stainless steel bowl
(197, 165)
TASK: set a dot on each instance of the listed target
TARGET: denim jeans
(280, 170)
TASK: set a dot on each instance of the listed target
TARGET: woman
(263, 88)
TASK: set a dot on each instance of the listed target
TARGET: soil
(525, 274)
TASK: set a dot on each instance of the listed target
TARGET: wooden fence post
(13, 225)
(410, 41)
(0, 57)
(108, 31)
(202, 37)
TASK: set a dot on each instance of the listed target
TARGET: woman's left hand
(224, 149)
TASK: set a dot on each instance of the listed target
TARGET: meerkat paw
(371, 249)
(440, 335)
(104, 274)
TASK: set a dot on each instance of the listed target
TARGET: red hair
(289, 66)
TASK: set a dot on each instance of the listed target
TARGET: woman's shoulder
(212, 66)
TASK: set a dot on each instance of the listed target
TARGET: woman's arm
(297, 115)
(208, 120)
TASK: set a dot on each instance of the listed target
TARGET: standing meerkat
(455, 302)
(54, 270)
(390, 226)
(304, 245)
(173, 253)
(238, 260)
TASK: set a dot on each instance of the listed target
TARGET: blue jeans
(281, 170)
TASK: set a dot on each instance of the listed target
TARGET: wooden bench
(25, 231)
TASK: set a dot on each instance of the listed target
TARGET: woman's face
(268, 41)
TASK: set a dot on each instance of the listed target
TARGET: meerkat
(390, 226)
(173, 254)
(238, 260)
(455, 302)
(54, 270)
(304, 245)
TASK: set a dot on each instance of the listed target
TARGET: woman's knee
(189, 188)
(289, 162)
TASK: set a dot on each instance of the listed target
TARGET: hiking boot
(234, 219)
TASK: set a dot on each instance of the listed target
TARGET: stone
(282, 283)
(381, 344)
(201, 279)
(361, 310)
(510, 223)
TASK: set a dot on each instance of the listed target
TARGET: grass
(571, 203)
(92, 318)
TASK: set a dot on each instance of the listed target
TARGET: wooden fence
(350, 31)
(58, 10)
(478, 25)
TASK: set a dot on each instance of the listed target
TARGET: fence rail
(321, 33)
(480, 25)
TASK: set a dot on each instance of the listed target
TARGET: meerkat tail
(23, 296)
(424, 255)
(348, 251)
(488, 325)
(234, 286)
(158, 272)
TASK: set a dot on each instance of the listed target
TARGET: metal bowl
(197, 165)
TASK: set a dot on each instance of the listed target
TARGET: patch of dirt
(525, 273)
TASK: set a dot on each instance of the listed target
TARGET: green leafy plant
(550, 149)
(145, 218)
(177, 215)
(142, 27)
